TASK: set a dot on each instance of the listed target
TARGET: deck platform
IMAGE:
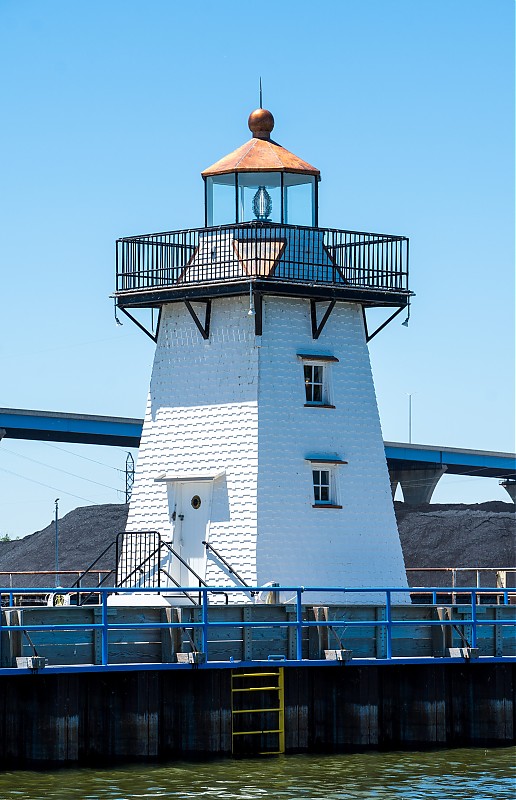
(217, 636)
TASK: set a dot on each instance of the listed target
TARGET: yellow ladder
(244, 685)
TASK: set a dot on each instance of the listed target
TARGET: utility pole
(56, 524)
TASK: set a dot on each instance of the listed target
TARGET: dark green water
(445, 774)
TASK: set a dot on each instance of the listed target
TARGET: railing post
(205, 623)
(434, 598)
(105, 637)
(388, 619)
(299, 626)
(473, 619)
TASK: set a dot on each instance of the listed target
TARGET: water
(444, 774)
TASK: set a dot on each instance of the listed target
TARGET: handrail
(46, 572)
(19, 590)
(389, 623)
(36, 572)
(230, 568)
(500, 574)
(256, 226)
(169, 576)
(460, 569)
(189, 568)
(184, 563)
(88, 569)
(455, 570)
(83, 600)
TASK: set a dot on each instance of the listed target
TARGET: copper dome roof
(260, 154)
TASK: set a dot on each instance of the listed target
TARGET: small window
(317, 378)
(322, 486)
(314, 383)
(324, 481)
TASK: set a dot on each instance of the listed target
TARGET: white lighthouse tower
(261, 458)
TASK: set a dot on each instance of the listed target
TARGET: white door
(193, 504)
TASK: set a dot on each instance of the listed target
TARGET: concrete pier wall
(151, 715)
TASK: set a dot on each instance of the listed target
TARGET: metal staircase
(258, 712)
(139, 559)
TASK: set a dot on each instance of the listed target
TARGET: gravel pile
(83, 534)
(480, 535)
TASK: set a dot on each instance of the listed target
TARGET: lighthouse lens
(262, 204)
(259, 197)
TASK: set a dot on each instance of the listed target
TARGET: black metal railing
(138, 555)
(262, 251)
(190, 572)
(229, 568)
(139, 559)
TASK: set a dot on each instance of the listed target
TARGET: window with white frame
(322, 486)
(316, 374)
(325, 491)
(314, 383)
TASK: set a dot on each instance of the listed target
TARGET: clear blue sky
(110, 111)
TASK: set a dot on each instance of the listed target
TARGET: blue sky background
(111, 110)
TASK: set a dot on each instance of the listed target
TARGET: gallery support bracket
(370, 336)
(318, 327)
(203, 328)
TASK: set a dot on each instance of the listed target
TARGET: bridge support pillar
(2, 433)
(417, 484)
(510, 487)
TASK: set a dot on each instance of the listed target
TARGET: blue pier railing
(370, 626)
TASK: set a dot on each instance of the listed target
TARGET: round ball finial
(261, 123)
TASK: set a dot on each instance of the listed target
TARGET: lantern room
(261, 182)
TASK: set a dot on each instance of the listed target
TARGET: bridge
(55, 426)
(417, 468)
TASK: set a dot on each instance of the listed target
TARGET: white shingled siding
(202, 418)
(357, 545)
(235, 404)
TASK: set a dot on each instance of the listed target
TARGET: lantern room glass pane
(259, 196)
(299, 199)
(220, 200)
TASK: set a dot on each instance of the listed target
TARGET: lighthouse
(261, 459)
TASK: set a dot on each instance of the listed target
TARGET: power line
(79, 455)
(57, 469)
(47, 486)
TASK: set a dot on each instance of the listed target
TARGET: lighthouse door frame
(189, 502)
(191, 527)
